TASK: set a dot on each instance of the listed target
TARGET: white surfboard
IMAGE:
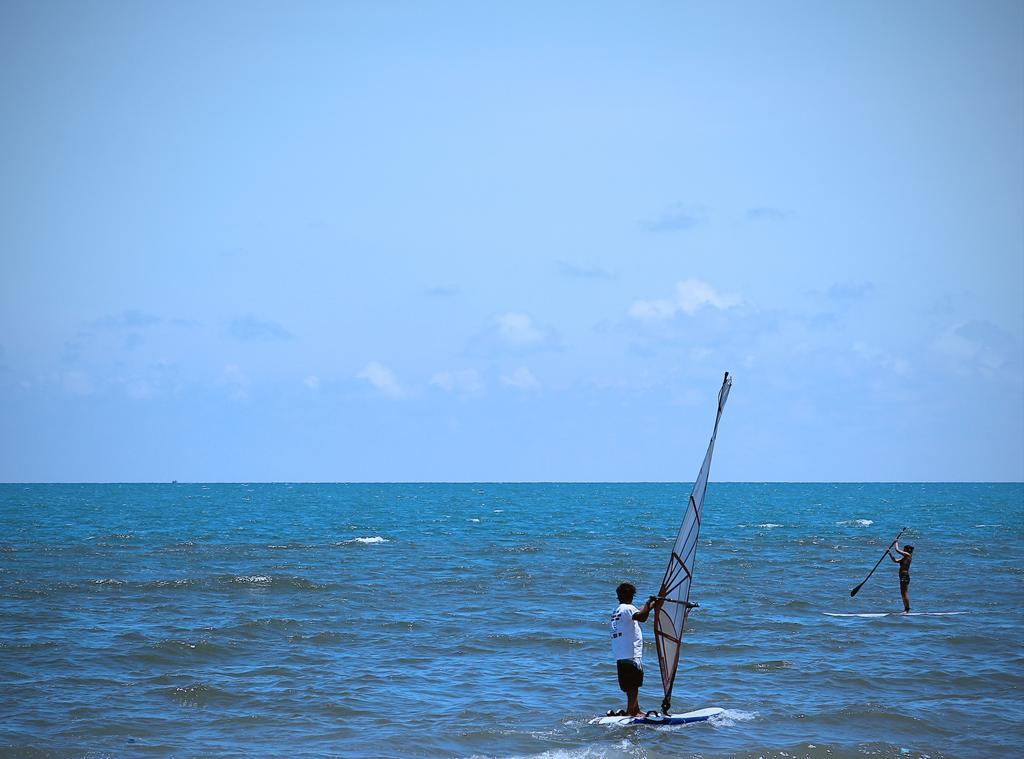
(875, 615)
(701, 715)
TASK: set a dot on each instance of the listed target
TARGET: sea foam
(252, 579)
(730, 717)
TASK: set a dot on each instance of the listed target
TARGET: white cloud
(513, 332)
(312, 382)
(518, 329)
(895, 364)
(521, 378)
(976, 346)
(464, 382)
(250, 328)
(382, 378)
(653, 310)
(690, 297)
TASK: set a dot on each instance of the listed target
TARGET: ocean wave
(514, 573)
(520, 549)
(730, 717)
(535, 638)
(113, 536)
(855, 523)
(181, 582)
(253, 579)
(364, 541)
(767, 666)
(198, 694)
(625, 748)
(770, 525)
(179, 650)
(254, 625)
(185, 546)
(107, 582)
(880, 714)
(342, 709)
(405, 625)
(27, 645)
(294, 582)
(320, 637)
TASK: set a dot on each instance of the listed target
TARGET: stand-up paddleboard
(875, 615)
(674, 596)
(652, 718)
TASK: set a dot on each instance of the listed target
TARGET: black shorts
(631, 674)
(904, 581)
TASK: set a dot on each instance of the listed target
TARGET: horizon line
(510, 482)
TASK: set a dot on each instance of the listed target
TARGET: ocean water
(470, 620)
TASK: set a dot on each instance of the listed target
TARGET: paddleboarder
(906, 556)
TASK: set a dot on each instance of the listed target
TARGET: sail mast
(670, 617)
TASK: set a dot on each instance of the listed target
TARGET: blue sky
(462, 241)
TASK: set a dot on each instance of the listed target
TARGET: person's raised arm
(644, 611)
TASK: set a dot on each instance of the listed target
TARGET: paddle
(854, 591)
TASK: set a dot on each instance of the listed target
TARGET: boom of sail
(670, 617)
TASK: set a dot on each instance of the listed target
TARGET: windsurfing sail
(670, 617)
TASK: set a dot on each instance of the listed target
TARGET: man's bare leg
(905, 592)
(633, 702)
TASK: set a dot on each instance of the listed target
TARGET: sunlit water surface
(472, 620)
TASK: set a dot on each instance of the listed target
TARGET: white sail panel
(670, 616)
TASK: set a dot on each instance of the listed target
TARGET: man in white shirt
(628, 644)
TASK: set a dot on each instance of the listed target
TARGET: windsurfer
(906, 556)
(628, 644)
(672, 604)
